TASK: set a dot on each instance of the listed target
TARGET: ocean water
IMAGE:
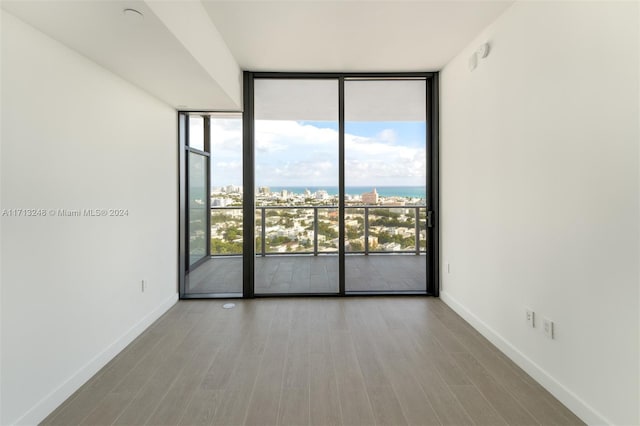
(383, 191)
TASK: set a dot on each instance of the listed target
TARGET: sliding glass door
(326, 184)
(385, 185)
(296, 182)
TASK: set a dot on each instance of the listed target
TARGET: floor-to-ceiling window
(385, 185)
(296, 180)
(213, 146)
(327, 184)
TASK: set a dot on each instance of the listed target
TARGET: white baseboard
(50, 402)
(581, 409)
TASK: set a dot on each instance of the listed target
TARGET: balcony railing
(315, 229)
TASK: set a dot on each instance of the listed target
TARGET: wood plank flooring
(315, 361)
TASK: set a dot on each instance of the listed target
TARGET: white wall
(75, 136)
(540, 192)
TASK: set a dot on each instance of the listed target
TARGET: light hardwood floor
(311, 361)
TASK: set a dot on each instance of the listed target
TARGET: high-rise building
(370, 197)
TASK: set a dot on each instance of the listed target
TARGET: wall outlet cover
(547, 327)
(531, 318)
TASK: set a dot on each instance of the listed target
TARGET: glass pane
(385, 185)
(197, 207)
(354, 230)
(196, 132)
(296, 169)
(288, 230)
(222, 273)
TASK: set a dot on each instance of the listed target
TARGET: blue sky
(408, 132)
(304, 153)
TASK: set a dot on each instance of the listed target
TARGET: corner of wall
(102, 143)
(537, 209)
(56, 397)
(570, 399)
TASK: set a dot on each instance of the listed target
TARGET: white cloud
(289, 153)
(388, 136)
(230, 165)
(226, 136)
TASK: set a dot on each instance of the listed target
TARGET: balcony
(314, 230)
(297, 250)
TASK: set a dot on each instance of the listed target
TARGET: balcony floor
(312, 274)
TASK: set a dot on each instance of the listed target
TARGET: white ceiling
(154, 53)
(194, 63)
(350, 35)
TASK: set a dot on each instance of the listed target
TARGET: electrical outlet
(547, 327)
(531, 318)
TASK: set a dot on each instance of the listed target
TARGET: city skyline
(409, 192)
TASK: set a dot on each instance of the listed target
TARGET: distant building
(322, 195)
(392, 247)
(370, 197)
(264, 190)
(394, 203)
(221, 202)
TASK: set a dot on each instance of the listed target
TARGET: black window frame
(432, 180)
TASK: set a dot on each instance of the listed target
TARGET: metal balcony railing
(323, 227)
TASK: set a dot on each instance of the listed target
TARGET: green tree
(217, 217)
(384, 213)
(232, 233)
(384, 237)
(223, 247)
(286, 222)
(326, 229)
(409, 242)
(356, 245)
(353, 233)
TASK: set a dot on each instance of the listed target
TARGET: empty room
(310, 212)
